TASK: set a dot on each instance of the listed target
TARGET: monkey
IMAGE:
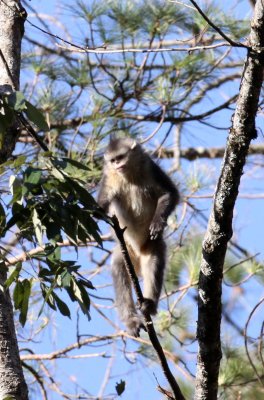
(142, 196)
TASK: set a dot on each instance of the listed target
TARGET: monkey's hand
(148, 307)
(134, 324)
(156, 227)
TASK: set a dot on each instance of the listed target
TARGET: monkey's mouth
(121, 168)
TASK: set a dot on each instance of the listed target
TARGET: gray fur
(142, 196)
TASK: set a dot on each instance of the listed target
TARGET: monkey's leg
(123, 292)
(153, 262)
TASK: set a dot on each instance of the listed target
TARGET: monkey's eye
(120, 157)
(117, 158)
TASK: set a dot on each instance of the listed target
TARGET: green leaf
(13, 275)
(87, 283)
(7, 117)
(16, 189)
(19, 161)
(17, 101)
(31, 181)
(45, 274)
(70, 293)
(54, 253)
(39, 229)
(32, 175)
(77, 291)
(21, 216)
(48, 297)
(71, 168)
(35, 116)
(120, 387)
(85, 198)
(68, 223)
(66, 279)
(63, 308)
(18, 294)
(24, 306)
(53, 231)
(81, 296)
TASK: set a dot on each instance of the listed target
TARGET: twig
(149, 323)
(27, 255)
(38, 378)
(32, 132)
(221, 33)
(246, 343)
(152, 134)
(152, 50)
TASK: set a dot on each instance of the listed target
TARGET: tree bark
(219, 230)
(12, 17)
(12, 382)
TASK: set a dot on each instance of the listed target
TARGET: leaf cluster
(12, 105)
(48, 203)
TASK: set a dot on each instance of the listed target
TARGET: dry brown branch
(193, 153)
(34, 252)
(95, 339)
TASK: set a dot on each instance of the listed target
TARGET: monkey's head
(122, 155)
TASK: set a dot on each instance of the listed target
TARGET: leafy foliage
(49, 203)
(236, 373)
(15, 103)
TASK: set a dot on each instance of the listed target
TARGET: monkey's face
(121, 158)
(119, 162)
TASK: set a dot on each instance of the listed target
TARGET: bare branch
(149, 323)
(260, 377)
(193, 153)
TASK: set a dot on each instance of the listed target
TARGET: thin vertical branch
(148, 321)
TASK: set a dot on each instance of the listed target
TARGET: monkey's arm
(166, 203)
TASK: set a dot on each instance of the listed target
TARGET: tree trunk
(12, 28)
(12, 382)
(219, 230)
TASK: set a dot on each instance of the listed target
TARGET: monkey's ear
(133, 145)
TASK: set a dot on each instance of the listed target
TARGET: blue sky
(248, 220)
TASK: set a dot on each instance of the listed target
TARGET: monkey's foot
(148, 307)
(134, 324)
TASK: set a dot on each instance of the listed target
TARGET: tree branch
(149, 323)
(73, 122)
(216, 28)
(192, 153)
(219, 230)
